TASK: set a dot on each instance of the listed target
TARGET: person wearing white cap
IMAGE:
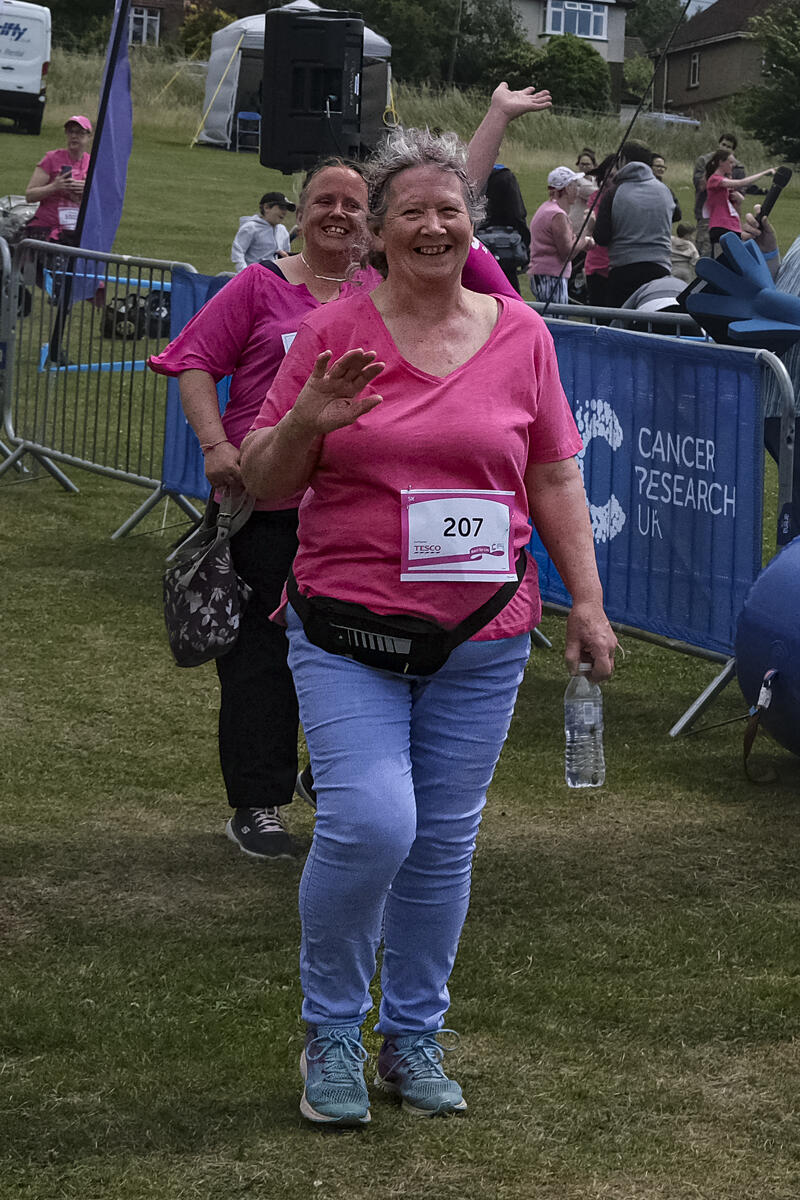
(57, 184)
(553, 243)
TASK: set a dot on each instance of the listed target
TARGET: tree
(201, 21)
(81, 26)
(653, 21)
(770, 110)
(637, 73)
(492, 46)
(487, 36)
(575, 74)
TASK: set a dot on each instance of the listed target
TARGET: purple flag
(101, 209)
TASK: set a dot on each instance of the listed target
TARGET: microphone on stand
(779, 182)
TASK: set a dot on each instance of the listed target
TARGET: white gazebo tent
(235, 69)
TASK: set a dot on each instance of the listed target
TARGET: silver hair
(406, 148)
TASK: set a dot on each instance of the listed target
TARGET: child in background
(684, 252)
(262, 237)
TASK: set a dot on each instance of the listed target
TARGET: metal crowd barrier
(678, 324)
(76, 329)
(673, 464)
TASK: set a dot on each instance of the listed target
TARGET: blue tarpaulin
(183, 469)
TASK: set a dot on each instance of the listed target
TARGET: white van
(24, 61)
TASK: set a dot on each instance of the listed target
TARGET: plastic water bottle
(584, 765)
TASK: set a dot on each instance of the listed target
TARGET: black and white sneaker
(260, 832)
(304, 788)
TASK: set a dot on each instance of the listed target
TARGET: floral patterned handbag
(204, 598)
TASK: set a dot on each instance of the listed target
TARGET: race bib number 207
(457, 536)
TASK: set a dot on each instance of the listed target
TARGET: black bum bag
(396, 642)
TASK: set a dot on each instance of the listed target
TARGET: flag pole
(120, 30)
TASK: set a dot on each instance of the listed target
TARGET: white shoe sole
(252, 853)
(391, 1089)
(319, 1118)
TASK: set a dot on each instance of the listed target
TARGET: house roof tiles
(724, 17)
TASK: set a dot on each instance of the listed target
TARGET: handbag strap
(233, 514)
(219, 521)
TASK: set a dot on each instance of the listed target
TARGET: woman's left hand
(590, 639)
(330, 398)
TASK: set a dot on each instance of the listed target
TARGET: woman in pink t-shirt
(427, 423)
(57, 184)
(244, 332)
(553, 241)
(724, 194)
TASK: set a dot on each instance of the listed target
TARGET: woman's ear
(375, 233)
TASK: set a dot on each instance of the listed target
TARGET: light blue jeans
(401, 768)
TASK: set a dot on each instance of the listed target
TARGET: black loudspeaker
(311, 91)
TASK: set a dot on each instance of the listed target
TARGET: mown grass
(626, 989)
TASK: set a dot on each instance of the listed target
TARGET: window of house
(144, 26)
(571, 16)
(694, 70)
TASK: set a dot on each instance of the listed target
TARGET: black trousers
(258, 718)
(772, 441)
(623, 281)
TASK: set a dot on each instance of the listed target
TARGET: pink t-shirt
(245, 330)
(545, 258)
(483, 273)
(596, 262)
(721, 213)
(478, 428)
(47, 214)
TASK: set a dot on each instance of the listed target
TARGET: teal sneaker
(332, 1065)
(411, 1067)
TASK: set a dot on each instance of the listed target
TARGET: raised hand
(516, 103)
(330, 397)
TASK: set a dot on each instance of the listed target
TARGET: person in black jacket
(505, 211)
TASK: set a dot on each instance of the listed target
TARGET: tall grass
(168, 94)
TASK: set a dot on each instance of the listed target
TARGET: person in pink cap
(57, 184)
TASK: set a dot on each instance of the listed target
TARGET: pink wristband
(213, 445)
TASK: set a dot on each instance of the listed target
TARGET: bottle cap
(584, 668)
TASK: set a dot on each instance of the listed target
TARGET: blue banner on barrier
(673, 469)
(182, 468)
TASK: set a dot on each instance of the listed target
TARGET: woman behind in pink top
(57, 184)
(595, 266)
(424, 456)
(244, 331)
(724, 194)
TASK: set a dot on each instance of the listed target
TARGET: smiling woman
(410, 608)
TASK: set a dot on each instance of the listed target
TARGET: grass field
(627, 986)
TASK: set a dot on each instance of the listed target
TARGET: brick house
(601, 24)
(711, 59)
